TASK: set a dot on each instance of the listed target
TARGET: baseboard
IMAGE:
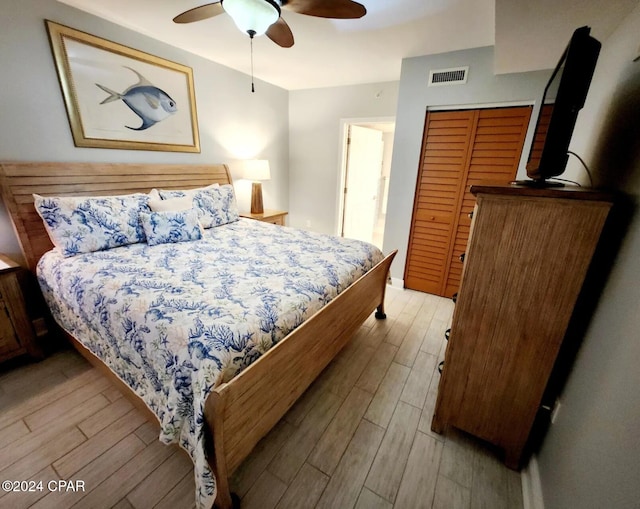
(532, 486)
(397, 283)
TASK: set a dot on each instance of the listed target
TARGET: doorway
(365, 180)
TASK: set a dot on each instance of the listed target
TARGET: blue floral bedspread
(171, 319)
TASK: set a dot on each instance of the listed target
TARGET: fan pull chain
(253, 89)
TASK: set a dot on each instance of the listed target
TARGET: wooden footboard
(242, 411)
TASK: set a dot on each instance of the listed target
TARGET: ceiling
(528, 35)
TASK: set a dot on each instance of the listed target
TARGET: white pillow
(154, 195)
(171, 204)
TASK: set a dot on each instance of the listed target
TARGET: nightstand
(16, 332)
(268, 216)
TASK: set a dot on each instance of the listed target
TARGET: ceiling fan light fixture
(253, 17)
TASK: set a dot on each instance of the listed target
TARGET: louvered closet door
(445, 151)
(460, 149)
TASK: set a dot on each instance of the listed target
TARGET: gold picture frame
(122, 98)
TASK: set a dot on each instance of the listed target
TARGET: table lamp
(256, 170)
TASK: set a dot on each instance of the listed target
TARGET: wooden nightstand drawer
(278, 220)
(268, 216)
(16, 332)
(8, 340)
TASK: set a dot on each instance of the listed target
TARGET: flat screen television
(563, 98)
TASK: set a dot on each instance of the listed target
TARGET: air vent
(453, 76)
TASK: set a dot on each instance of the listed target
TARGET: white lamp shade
(256, 169)
(252, 16)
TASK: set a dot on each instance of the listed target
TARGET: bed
(240, 408)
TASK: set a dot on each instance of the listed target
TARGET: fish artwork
(146, 100)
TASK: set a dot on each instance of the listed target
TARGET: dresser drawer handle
(470, 214)
(462, 256)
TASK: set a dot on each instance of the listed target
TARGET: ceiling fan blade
(199, 13)
(335, 9)
(280, 33)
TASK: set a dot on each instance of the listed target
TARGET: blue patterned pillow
(165, 227)
(78, 224)
(181, 193)
(216, 205)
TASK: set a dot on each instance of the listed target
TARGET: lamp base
(256, 198)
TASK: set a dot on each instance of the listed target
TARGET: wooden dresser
(527, 256)
(16, 332)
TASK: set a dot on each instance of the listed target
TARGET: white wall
(33, 124)
(315, 140)
(482, 88)
(590, 456)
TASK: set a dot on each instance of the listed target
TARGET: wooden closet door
(445, 152)
(460, 149)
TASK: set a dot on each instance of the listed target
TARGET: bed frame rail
(243, 410)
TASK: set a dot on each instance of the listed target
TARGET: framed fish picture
(119, 97)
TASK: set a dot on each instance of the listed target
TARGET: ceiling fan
(257, 17)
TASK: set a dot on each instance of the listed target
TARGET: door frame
(343, 151)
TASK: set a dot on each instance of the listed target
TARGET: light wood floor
(359, 437)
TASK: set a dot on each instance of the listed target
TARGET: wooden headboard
(19, 180)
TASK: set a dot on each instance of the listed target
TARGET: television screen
(542, 127)
(563, 98)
